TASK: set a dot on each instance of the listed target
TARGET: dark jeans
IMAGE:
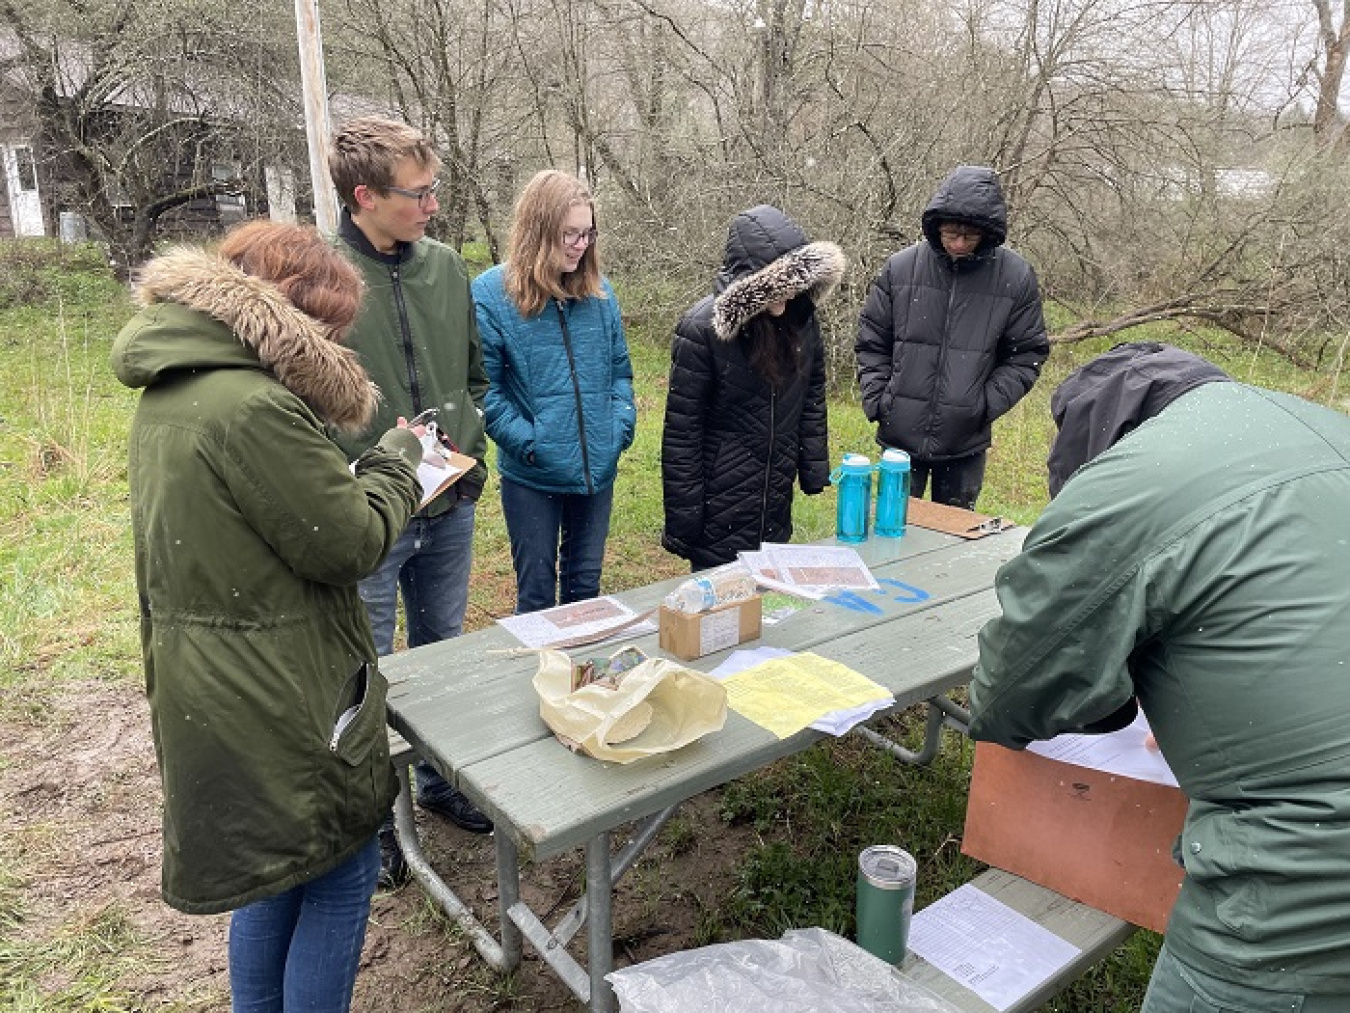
(557, 544)
(956, 482)
(299, 951)
(430, 564)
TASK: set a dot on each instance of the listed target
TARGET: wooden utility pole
(318, 131)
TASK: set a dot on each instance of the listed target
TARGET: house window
(232, 207)
(27, 171)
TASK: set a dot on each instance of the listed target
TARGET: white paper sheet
(983, 944)
(834, 723)
(577, 621)
(1122, 753)
(808, 570)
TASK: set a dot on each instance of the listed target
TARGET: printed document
(809, 570)
(983, 944)
(582, 622)
(789, 692)
(836, 722)
(1122, 753)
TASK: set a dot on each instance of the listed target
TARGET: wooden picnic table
(474, 715)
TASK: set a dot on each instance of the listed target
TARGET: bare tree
(147, 111)
(1329, 71)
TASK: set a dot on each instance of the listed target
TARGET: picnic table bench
(468, 707)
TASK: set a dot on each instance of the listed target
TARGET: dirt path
(81, 826)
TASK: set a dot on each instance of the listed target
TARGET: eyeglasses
(955, 233)
(424, 195)
(573, 237)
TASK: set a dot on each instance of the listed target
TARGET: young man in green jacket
(1199, 567)
(418, 339)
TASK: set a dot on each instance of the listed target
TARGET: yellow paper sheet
(785, 695)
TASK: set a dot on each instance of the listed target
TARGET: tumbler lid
(857, 463)
(888, 867)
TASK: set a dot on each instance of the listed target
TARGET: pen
(422, 417)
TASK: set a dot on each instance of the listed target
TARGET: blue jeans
(430, 563)
(557, 544)
(298, 952)
(1179, 988)
(956, 482)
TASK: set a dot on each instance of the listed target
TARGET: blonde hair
(532, 249)
(367, 151)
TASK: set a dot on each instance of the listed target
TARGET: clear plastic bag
(807, 971)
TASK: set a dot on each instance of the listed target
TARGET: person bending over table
(1196, 559)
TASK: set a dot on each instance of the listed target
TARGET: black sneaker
(394, 870)
(456, 808)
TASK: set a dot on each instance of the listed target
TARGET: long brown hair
(317, 280)
(532, 249)
(774, 344)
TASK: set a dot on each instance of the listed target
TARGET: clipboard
(439, 470)
(952, 520)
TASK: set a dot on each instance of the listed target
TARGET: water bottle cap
(856, 459)
(896, 459)
(856, 464)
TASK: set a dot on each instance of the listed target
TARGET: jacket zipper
(405, 329)
(942, 359)
(576, 391)
(768, 463)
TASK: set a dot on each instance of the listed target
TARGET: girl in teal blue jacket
(560, 404)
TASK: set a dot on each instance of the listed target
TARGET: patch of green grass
(83, 966)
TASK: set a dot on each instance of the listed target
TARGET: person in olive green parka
(251, 533)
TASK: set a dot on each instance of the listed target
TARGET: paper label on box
(719, 630)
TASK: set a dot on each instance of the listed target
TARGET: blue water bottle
(892, 493)
(853, 479)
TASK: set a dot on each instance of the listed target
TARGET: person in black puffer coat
(951, 337)
(745, 416)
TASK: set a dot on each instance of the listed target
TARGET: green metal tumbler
(885, 901)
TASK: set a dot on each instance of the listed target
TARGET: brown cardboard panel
(952, 520)
(690, 635)
(1097, 838)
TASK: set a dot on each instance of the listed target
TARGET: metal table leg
(600, 934)
(405, 825)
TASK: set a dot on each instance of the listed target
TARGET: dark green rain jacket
(1202, 565)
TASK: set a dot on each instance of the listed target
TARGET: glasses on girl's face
(575, 237)
(423, 195)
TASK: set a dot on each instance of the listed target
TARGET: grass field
(67, 609)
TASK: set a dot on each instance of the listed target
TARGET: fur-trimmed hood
(769, 260)
(297, 349)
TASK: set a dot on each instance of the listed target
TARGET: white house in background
(31, 202)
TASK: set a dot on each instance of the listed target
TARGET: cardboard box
(691, 635)
(1097, 838)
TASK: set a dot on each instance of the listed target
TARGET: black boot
(394, 870)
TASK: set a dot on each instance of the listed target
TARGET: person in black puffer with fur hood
(745, 416)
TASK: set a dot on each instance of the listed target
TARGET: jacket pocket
(357, 726)
(1217, 854)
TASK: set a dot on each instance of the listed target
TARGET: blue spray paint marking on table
(851, 600)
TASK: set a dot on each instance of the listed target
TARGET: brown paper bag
(658, 706)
